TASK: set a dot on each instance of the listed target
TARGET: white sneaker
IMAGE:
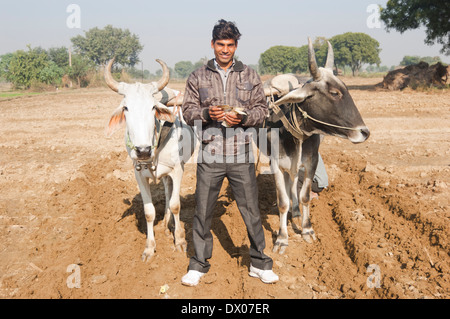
(192, 278)
(266, 276)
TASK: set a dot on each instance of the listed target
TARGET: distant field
(16, 94)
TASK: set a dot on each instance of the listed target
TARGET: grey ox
(303, 113)
(158, 142)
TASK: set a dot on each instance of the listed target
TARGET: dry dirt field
(70, 205)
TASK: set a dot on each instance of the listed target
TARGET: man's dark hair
(225, 30)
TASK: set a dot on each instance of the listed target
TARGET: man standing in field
(226, 148)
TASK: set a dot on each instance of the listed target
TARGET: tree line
(56, 66)
(60, 66)
(352, 50)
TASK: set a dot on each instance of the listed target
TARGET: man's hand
(216, 113)
(233, 118)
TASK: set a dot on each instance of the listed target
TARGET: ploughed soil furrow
(382, 232)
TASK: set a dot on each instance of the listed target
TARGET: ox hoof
(280, 248)
(309, 236)
(148, 254)
(181, 247)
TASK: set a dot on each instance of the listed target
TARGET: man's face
(224, 51)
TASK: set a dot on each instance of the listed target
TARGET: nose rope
(295, 128)
(307, 116)
(128, 143)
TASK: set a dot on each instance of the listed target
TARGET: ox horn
(313, 68)
(162, 83)
(113, 84)
(330, 57)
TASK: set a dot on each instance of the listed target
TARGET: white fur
(140, 129)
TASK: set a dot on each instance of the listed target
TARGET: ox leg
(307, 230)
(174, 205)
(167, 181)
(283, 189)
(296, 214)
(294, 198)
(150, 214)
(310, 157)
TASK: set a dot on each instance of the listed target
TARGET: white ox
(158, 149)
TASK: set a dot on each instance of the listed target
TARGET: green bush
(24, 67)
(284, 59)
(51, 74)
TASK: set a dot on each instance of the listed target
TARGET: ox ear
(296, 96)
(163, 113)
(116, 121)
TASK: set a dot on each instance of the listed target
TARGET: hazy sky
(180, 30)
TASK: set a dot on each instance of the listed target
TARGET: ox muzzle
(359, 135)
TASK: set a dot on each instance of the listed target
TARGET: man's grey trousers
(242, 179)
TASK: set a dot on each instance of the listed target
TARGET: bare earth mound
(417, 75)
